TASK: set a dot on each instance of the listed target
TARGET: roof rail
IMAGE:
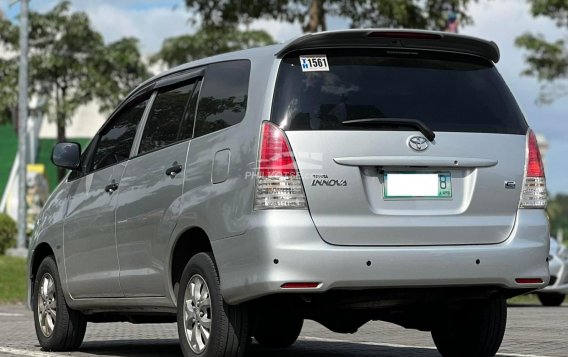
(395, 38)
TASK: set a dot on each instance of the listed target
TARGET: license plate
(417, 185)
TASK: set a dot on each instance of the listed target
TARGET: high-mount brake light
(534, 193)
(406, 35)
(278, 183)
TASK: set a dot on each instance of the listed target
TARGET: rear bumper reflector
(300, 285)
(529, 281)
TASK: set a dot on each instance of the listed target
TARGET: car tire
(476, 330)
(552, 299)
(58, 327)
(279, 328)
(207, 326)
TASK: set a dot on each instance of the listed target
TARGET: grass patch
(13, 284)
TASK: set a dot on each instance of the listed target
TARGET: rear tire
(278, 328)
(476, 330)
(58, 328)
(207, 326)
(552, 299)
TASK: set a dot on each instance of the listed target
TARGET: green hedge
(8, 233)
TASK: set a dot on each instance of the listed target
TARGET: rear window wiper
(414, 123)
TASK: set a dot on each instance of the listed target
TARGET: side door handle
(111, 187)
(174, 170)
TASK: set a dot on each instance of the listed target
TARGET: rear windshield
(446, 92)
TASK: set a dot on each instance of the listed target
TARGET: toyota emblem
(418, 143)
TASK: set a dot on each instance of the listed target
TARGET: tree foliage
(220, 20)
(8, 70)
(311, 14)
(547, 60)
(70, 65)
(558, 214)
(209, 41)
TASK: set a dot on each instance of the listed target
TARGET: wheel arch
(42, 251)
(189, 242)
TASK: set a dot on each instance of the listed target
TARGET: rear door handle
(174, 170)
(111, 187)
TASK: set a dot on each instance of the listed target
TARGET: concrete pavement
(533, 331)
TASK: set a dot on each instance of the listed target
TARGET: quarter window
(223, 99)
(117, 138)
(164, 123)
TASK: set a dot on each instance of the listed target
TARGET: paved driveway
(532, 332)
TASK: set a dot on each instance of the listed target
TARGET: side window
(165, 119)
(116, 138)
(223, 99)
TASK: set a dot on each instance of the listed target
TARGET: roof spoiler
(395, 38)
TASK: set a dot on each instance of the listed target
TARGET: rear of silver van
(397, 179)
(345, 198)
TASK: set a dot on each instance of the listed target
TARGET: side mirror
(67, 155)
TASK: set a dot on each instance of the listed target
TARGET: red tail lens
(534, 193)
(278, 184)
(534, 163)
(275, 155)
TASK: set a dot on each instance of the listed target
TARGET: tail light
(278, 183)
(534, 193)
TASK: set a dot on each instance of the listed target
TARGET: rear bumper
(284, 246)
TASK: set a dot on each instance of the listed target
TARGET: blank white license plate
(417, 185)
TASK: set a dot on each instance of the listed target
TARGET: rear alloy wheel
(207, 326)
(476, 330)
(551, 299)
(58, 328)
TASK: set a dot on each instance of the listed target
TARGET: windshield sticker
(314, 63)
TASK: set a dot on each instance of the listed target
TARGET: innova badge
(418, 143)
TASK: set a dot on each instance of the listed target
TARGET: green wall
(8, 149)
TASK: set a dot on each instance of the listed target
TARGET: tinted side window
(165, 119)
(223, 99)
(116, 138)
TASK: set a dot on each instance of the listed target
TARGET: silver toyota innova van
(341, 177)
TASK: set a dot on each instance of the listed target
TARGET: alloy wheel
(197, 313)
(47, 305)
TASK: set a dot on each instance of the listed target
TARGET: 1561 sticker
(314, 63)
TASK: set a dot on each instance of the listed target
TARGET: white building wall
(84, 124)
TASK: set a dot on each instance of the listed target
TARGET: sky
(151, 21)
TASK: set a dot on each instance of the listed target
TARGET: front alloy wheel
(47, 305)
(197, 314)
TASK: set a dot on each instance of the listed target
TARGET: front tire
(552, 299)
(58, 328)
(476, 330)
(207, 326)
